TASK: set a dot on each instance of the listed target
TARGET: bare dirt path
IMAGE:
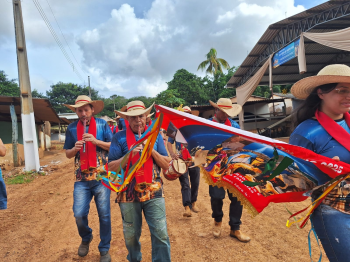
(39, 226)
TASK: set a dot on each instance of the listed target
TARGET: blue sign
(286, 54)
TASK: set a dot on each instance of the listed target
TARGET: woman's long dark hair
(308, 108)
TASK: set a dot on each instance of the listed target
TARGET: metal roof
(330, 16)
(43, 110)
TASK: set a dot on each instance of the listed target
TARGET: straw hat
(150, 115)
(134, 108)
(84, 100)
(187, 109)
(330, 74)
(107, 119)
(225, 105)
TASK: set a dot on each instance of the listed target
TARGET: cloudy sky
(134, 47)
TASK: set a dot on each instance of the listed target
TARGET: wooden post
(59, 132)
(14, 135)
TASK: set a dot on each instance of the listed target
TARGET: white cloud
(132, 47)
(175, 34)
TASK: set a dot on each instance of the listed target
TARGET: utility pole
(30, 141)
(89, 87)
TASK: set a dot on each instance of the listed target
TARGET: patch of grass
(23, 178)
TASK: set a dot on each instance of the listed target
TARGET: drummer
(223, 109)
(189, 191)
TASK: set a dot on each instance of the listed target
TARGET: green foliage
(169, 98)
(189, 87)
(37, 94)
(66, 93)
(24, 177)
(214, 63)
(8, 87)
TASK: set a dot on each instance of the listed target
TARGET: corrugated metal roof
(317, 56)
(43, 110)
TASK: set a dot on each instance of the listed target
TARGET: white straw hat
(225, 105)
(83, 100)
(134, 108)
(330, 74)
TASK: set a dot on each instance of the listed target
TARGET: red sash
(185, 153)
(335, 130)
(150, 123)
(227, 122)
(145, 173)
(88, 159)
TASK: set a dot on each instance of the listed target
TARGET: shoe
(217, 229)
(105, 256)
(194, 207)
(187, 212)
(239, 235)
(84, 248)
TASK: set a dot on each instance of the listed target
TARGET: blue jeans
(82, 195)
(333, 229)
(190, 192)
(154, 211)
(217, 194)
(3, 195)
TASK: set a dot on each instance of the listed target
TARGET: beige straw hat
(225, 105)
(84, 100)
(187, 109)
(150, 115)
(134, 108)
(330, 74)
(107, 119)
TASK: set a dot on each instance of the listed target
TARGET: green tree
(112, 102)
(169, 98)
(37, 94)
(189, 87)
(213, 66)
(66, 93)
(8, 87)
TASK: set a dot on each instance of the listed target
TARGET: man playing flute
(88, 140)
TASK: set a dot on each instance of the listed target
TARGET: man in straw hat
(145, 191)
(88, 140)
(110, 123)
(189, 192)
(223, 110)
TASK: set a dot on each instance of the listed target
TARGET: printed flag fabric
(256, 169)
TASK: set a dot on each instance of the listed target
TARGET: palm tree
(214, 64)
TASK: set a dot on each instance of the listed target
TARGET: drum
(177, 167)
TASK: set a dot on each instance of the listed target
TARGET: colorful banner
(119, 180)
(275, 171)
(286, 54)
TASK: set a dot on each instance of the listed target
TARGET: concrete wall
(279, 106)
(257, 109)
(7, 160)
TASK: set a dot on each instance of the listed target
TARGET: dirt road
(39, 226)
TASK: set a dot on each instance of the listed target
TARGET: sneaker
(187, 212)
(239, 235)
(84, 247)
(105, 256)
(195, 207)
(217, 229)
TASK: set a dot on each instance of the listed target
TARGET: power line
(53, 33)
(64, 37)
